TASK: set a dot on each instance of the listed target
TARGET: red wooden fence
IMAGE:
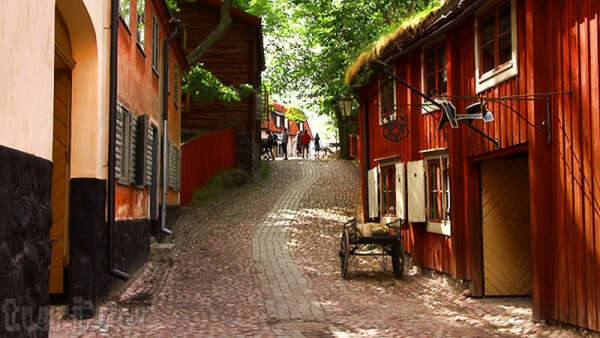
(203, 157)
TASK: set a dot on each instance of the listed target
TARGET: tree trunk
(213, 37)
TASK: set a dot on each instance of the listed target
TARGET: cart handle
(350, 223)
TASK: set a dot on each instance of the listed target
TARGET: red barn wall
(558, 50)
(203, 157)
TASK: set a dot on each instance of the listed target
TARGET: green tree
(309, 44)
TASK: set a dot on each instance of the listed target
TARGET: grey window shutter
(132, 147)
(149, 156)
(172, 166)
(178, 169)
(122, 145)
(142, 151)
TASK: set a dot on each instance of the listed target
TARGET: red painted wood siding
(203, 157)
(558, 50)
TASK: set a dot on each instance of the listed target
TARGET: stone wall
(25, 220)
(246, 153)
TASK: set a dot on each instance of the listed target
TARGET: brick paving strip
(288, 300)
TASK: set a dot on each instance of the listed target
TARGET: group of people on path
(277, 144)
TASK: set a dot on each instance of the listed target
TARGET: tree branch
(213, 37)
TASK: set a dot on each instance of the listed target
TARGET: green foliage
(221, 183)
(204, 87)
(295, 114)
(172, 5)
(310, 43)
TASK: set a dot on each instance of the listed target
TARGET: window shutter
(416, 191)
(143, 148)
(154, 172)
(373, 193)
(400, 191)
(120, 145)
(150, 135)
(177, 186)
(172, 173)
(133, 120)
(123, 144)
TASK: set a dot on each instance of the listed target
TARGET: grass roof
(401, 34)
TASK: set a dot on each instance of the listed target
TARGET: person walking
(317, 145)
(269, 151)
(305, 143)
(298, 143)
(274, 144)
(284, 142)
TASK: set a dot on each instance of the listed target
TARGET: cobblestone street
(262, 260)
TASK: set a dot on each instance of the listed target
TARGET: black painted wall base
(89, 281)
(25, 221)
(132, 243)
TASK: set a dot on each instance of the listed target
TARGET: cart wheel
(397, 261)
(344, 254)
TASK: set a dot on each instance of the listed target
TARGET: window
(387, 99)
(495, 45)
(388, 191)
(495, 33)
(436, 74)
(141, 24)
(155, 44)
(175, 84)
(438, 193)
(277, 121)
(125, 11)
(301, 126)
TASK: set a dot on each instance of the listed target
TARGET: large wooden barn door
(506, 242)
(59, 232)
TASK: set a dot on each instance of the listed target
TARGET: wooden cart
(389, 244)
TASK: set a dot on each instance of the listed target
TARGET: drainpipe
(112, 129)
(165, 138)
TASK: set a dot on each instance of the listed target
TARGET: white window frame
(443, 227)
(155, 44)
(125, 12)
(301, 125)
(277, 121)
(394, 116)
(511, 69)
(425, 109)
(140, 33)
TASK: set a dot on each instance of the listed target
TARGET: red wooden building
(237, 58)
(275, 122)
(519, 218)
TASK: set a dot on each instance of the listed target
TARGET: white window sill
(439, 228)
(497, 76)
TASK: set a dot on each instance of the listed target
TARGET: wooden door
(506, 228)
(59, 233)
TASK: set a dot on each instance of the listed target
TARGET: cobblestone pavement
(372, 302)
(290, 305)
(262, 261)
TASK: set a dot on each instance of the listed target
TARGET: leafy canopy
(309, 44)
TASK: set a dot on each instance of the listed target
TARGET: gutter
(112, 129)
(165, 138)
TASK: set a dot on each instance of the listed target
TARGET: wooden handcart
(354, 243)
